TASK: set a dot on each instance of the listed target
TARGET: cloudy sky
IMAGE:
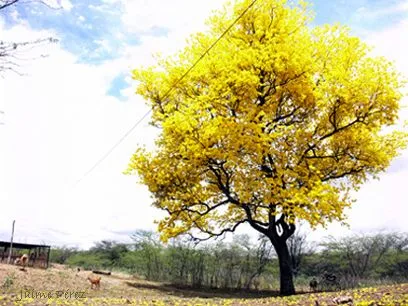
(70, 107)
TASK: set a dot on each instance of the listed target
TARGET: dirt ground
(60, 285)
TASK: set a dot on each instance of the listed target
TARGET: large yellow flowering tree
(276, 124)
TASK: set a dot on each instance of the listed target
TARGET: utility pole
(11, 243)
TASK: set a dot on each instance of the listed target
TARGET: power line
(166, 94)
(113, 148)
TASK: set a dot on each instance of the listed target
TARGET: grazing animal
(313, 284)
(22, 261)
(95, 281)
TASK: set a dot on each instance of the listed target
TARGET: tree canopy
(277, 123)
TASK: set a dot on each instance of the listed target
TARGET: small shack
(39, 255)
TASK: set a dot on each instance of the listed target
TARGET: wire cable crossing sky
(169, 91)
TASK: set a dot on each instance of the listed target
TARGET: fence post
(11, 243)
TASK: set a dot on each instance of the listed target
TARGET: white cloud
(142, 15)
(389, 43)
(104, 45)
(66, 5)
(370, 13)
(14, 15)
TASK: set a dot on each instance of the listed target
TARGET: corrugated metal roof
(18, 245)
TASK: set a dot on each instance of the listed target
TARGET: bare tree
(298, 249)
(364, 252)
(263, 254)
(12, 52)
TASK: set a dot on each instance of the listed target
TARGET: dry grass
(120, 289)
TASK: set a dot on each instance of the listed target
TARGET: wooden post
(11, 243)
(48, 257)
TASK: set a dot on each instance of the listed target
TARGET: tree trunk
(285, 268)
(278, 231)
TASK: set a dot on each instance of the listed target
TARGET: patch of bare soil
(60, 285)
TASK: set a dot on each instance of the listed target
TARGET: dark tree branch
(8, 50)
(4, 4)
(311, 147)
(259, 226)
(343, 174)
(213, 234)
(271, 217)
(217, 168)
(208, 208)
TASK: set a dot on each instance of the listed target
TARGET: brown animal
(95, 281)
(22, 261)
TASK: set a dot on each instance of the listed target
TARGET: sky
(76, 99)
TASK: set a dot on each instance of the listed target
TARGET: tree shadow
(190, 292)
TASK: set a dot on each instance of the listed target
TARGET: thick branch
(189, 209)
(216, 235)
(217, 170)
(340, 175)
(259, 226)
(311, 147)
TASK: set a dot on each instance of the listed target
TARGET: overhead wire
(166, 93)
